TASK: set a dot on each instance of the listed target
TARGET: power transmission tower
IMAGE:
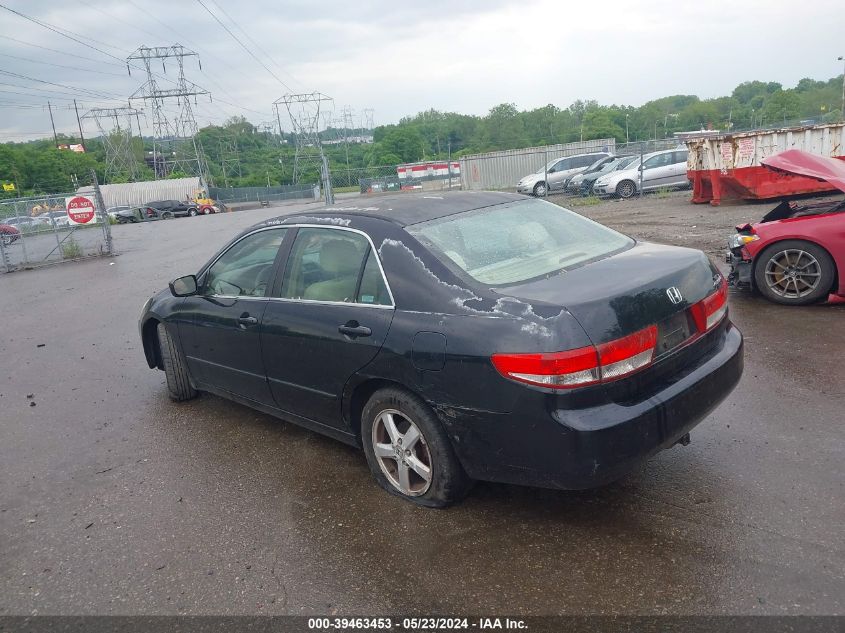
(304, 113)
(175, 135)
(115, 128)
(230, 159)
(348, 115)
(368, 124)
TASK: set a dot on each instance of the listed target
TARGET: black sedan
(469, 336)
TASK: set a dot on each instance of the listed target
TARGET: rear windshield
(517, 242)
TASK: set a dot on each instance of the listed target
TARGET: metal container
(727, 166)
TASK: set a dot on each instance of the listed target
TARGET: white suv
(659, 169)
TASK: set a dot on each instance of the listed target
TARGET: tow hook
(684, 440)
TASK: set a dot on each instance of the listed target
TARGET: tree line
(239, 154)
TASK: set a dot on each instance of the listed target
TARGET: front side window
(246, 269)
(335, 266)
(517, 242)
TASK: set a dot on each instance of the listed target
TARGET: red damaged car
(796, 254)
(9, 233)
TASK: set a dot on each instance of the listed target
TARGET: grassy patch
(588, 201)
(71, 249)
(662, 192)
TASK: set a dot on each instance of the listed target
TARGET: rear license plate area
(673, 332)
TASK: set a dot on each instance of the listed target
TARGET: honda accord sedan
(468, 336)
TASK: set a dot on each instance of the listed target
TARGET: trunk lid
(649, 284)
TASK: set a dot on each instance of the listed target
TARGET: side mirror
(184, 286)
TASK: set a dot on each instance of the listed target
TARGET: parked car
(553, 176)
(209, 209)
(132, 215)
(595, 167)
(796, 254)
(472, 335)
(9, 234)
(576, 184)
(56, 219)
(112, 212)
(166, 209)
(664, 169)
(20, 222)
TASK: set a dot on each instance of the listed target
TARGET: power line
(242, 45)
(87, 70)
(254, 43)
(94, 93)
(63, 53)
(64, 32)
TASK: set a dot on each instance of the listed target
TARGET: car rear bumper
(589, 447)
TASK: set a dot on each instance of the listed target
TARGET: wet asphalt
(114, 500)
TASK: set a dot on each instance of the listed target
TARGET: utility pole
(79, 123)
(842, 111)
(175, 136)
(55, 137)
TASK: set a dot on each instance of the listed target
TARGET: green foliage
(238, 154)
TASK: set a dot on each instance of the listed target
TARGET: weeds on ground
(71, 249)
(587, 201)
(662, 192)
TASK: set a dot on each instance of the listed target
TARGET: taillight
(582, 366)
(708, 312)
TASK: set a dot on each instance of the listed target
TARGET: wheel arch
(152, 348)
(357, 399)
(756, 260)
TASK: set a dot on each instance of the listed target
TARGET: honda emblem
(674, 295)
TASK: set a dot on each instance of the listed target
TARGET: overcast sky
(399, 58)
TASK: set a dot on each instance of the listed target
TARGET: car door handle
(245, 319)
(352, 329)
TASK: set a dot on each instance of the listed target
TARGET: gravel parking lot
(113, 500)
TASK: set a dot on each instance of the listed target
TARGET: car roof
(405, 208)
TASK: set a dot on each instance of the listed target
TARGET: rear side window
(681, 156)
(334, 266)
(517, 242)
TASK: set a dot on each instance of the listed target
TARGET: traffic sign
(80, 210)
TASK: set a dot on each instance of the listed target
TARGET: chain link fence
(595, 169)
(600, 168)
(39, 230)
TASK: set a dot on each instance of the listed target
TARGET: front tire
(192, 212)
(408, 451)
(626, 189)
(178, 384)
(794, 272)
(540, 190)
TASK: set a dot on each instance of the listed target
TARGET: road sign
(80, 210)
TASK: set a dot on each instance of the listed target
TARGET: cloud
(401, 58)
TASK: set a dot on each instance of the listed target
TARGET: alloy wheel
(402, 453)
(792, 273)
(626, 189)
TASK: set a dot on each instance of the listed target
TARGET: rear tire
(178, 383)
(192, 212)
(626, 189)
(418, 437)
(794, 272)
